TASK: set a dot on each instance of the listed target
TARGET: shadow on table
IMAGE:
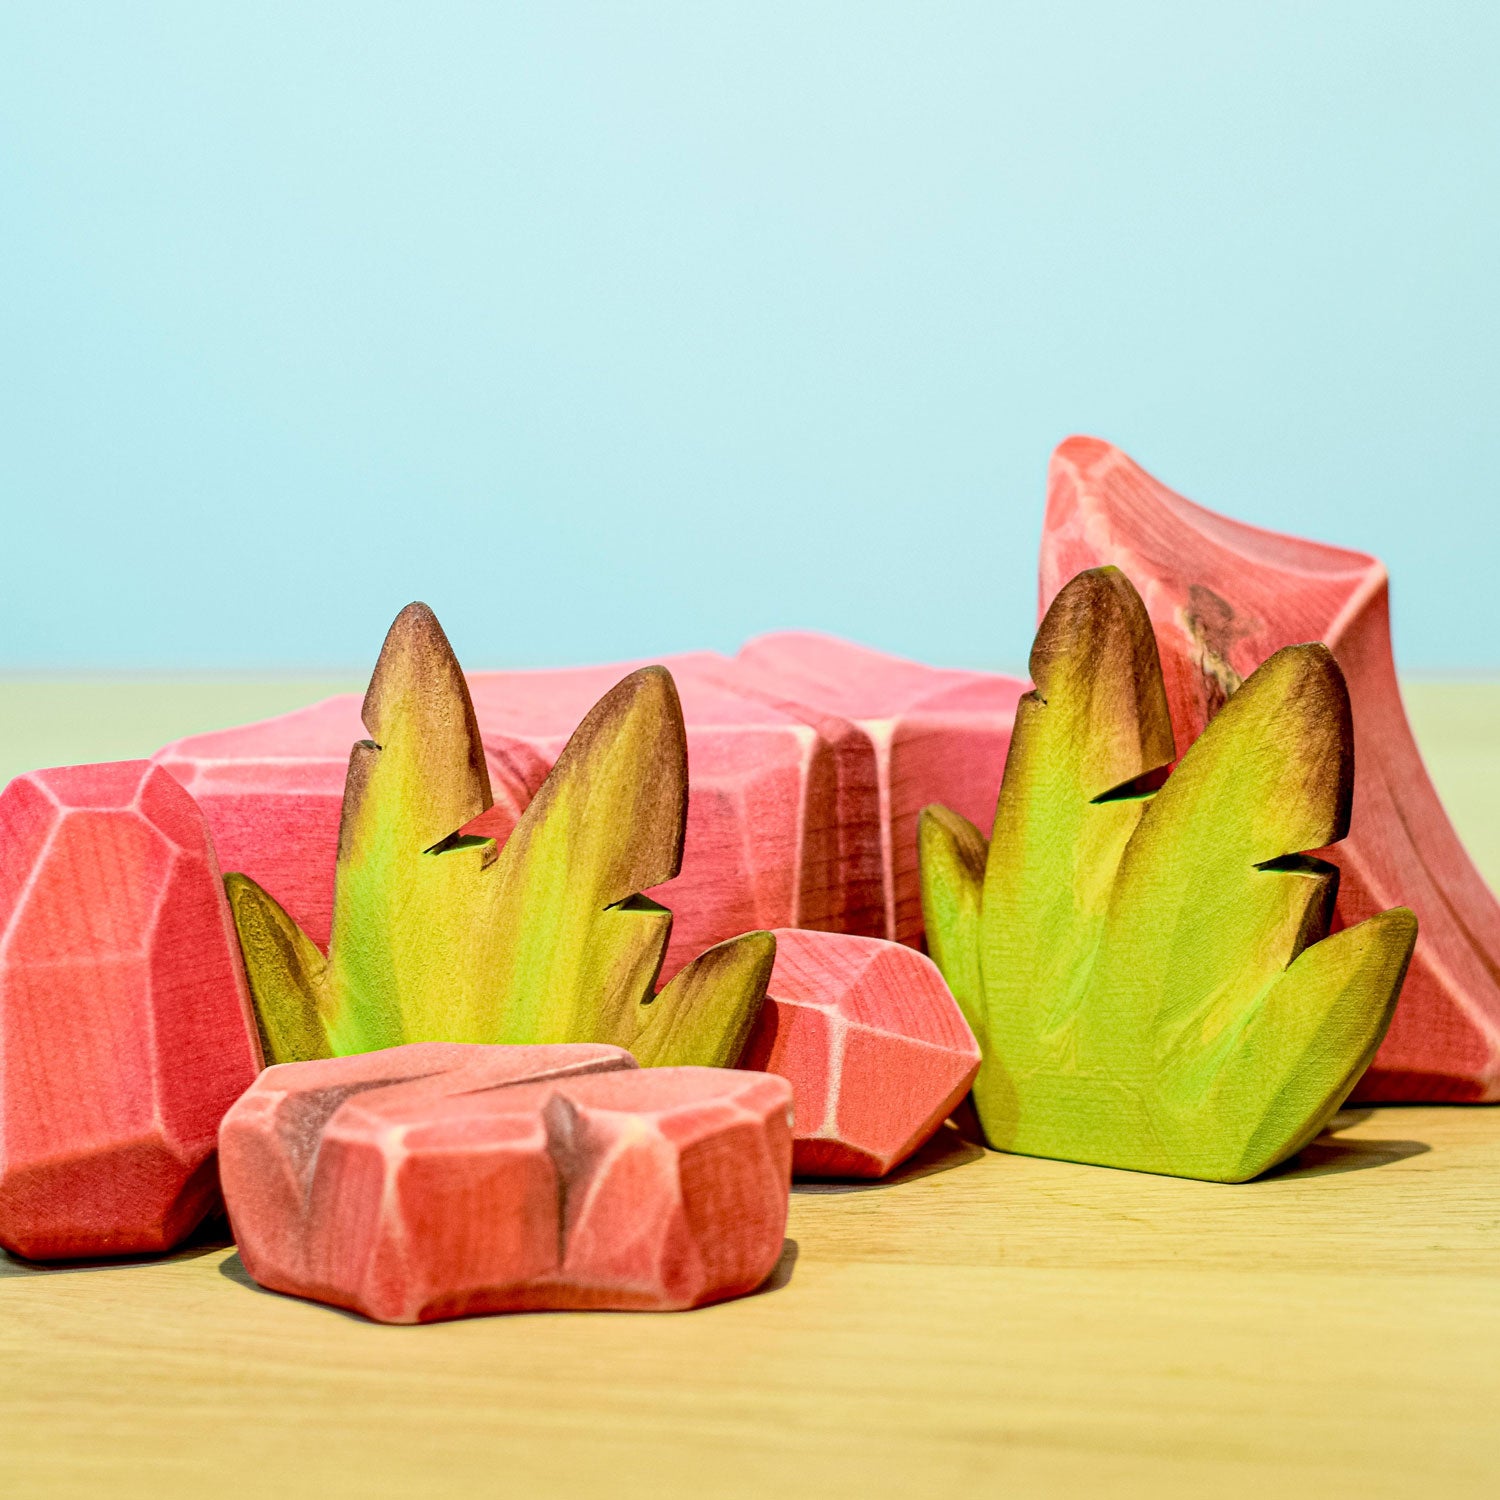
(210, 1236)
(1332, 1153)
(950, 1147)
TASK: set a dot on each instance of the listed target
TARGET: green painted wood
(1148, 970)
(442, 937)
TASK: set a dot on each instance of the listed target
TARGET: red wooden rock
(873, 1043)
(929, 734)
(437, 1180)
(125, 1028)
(776, 833)
(1222, 597)
(272, 792)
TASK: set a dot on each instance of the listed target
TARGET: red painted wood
(1223, 596)
(437, 1180)
(873, 1043)
(928, 734)
(776, 835)
(125, 1028)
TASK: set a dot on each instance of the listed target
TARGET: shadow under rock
(949, 1148)
(1329, 1154)
(781, 1273)
(213, 1234)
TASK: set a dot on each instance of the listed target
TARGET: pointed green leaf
(1157, 988)
(442, 937)
(952, 853)
(285, 971)
(706, 1013)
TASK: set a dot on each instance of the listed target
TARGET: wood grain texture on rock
(437, 1180)
(440, 935)
(1147, 970)
(1222, 597)
(919, 734)
(125, 1027)
(781, 831)
(876, 1049)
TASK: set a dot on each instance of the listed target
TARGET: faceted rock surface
(1223, 597)
(775, 834)
(779, 830)
(125, 1029)
(439, 1179)
(873, 1043)
(924, 734)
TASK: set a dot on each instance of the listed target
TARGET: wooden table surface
(983, 1324)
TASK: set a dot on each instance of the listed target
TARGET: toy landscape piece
(874, 1044)
(1222, 597)
(925, 734)
(125, 1029)
(1148, 971)
(440, 936)
(437, 1180)
(776, 835)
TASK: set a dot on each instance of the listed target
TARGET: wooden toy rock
(125, 1030)
(1143, 957)
(811, 759)
(874, 1044)
(1222, 597)
(435, 1180)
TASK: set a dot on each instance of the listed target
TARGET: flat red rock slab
(438, 1180)
(1222, 597)
(873, 1043)
(125, 1026)
(928, 734)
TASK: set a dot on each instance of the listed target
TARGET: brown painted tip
(1096, 641)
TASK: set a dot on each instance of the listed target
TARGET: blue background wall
(618, 329)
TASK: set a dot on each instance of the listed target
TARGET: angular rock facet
(439, 1179)
(929, 734)
(775, 834)
(1222, 597)
(874, 1046)
(125, 1030)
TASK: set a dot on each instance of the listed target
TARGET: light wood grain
(1004, 1326)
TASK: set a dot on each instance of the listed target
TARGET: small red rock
(873, 1043)
(125, 1027)
(440, 1179)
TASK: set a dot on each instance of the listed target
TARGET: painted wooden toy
(778, 833)
(440, 935)
(1223, 596)
(874, 1044)
(1147, 970)
(923, 734)
(125, 1028)
(437, 1180)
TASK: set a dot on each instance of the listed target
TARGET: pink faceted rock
(777, 832)
(926, 734)
(125, 1025)
(873, 1043)
(438, 1180)
(272, 793)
